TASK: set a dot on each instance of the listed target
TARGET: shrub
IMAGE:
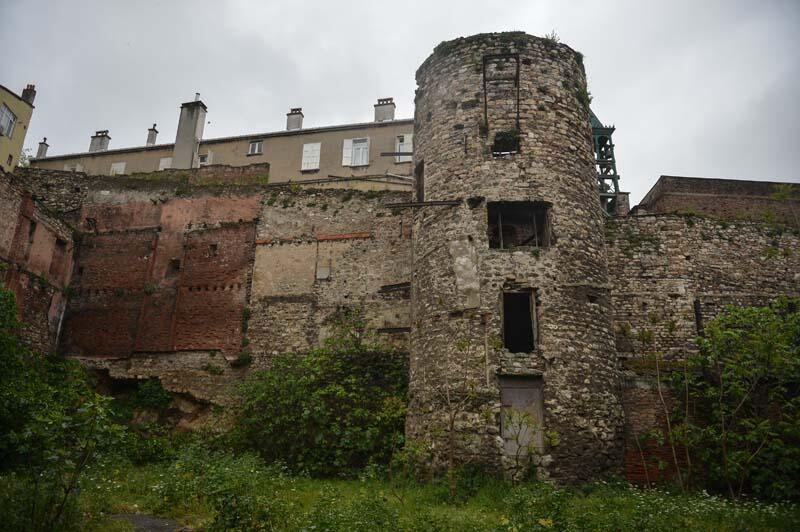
(52, 424)
(331, 411)
(744, 386)
(151, 395)
(366, 512)
(244, 494)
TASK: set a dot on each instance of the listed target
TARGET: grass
(370, 502)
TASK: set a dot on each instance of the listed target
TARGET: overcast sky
(697, 88)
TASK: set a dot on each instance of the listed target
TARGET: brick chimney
(384, 110)
(152, 133)
(99, 141)
(42, 151)
(29, 93)
(294, 119)
(190, 132)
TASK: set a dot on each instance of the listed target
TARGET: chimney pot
(99, 141)
(384, 110)
(42, 151)
(294, 119)
(29, 93)
(152, 133)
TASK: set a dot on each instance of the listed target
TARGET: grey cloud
(694, 88)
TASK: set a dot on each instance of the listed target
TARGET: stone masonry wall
(670, 274)
(214, 272)
(458, 280)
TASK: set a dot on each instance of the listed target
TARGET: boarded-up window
(518, 223)
(522, 416)
(164, 163)
(311, 156)
(519, 321)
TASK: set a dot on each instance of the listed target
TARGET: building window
(311, 156)
(518, 223)
(173, 267)
(205, 159)
(403, 144)
(7, 121)
(73, 167)
(355, 152)
(164, 163)
(519, 321)
(117, 168)
(256, 147)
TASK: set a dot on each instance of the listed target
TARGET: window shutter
(347, 152)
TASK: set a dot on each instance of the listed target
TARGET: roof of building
(252, 136)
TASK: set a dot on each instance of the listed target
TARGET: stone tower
(513, 362)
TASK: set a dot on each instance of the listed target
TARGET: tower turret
(512, 349)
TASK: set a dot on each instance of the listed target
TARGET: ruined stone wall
(458, 281)
(35, 262)
(318, 250)
(218, 272)
(726, 199)
(670, 274)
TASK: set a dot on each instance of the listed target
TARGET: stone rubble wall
(669, 270)
(458, 281)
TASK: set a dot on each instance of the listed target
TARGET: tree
(744, 390)
(52, 424)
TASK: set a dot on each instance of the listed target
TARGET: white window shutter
(347, 152)
(366, 152)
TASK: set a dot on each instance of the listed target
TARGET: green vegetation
(743, 386)
(316, 445)
(213, 490)
(330, 412)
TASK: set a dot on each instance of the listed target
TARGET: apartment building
(295, 154)
(15, 116)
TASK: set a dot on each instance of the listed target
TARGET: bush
(244, 494)
(330, 412)
(743, 386)
(366, 512)
(52, 424)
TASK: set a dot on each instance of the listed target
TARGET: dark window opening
(519, 223)
(419, 181)
(212, 249)
(698, 317)
(519, 324)
(173, 267)
(505, 142)
(31, 231)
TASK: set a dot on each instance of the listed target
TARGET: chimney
(190, 132)
(384, 109)
(294, 119)
(151, 136)
(42, 151)
(29, 93)
(99, 141)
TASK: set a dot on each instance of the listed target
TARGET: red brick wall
(36, 254)
(156, 278)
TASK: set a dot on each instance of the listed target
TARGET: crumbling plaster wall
(319, 250)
